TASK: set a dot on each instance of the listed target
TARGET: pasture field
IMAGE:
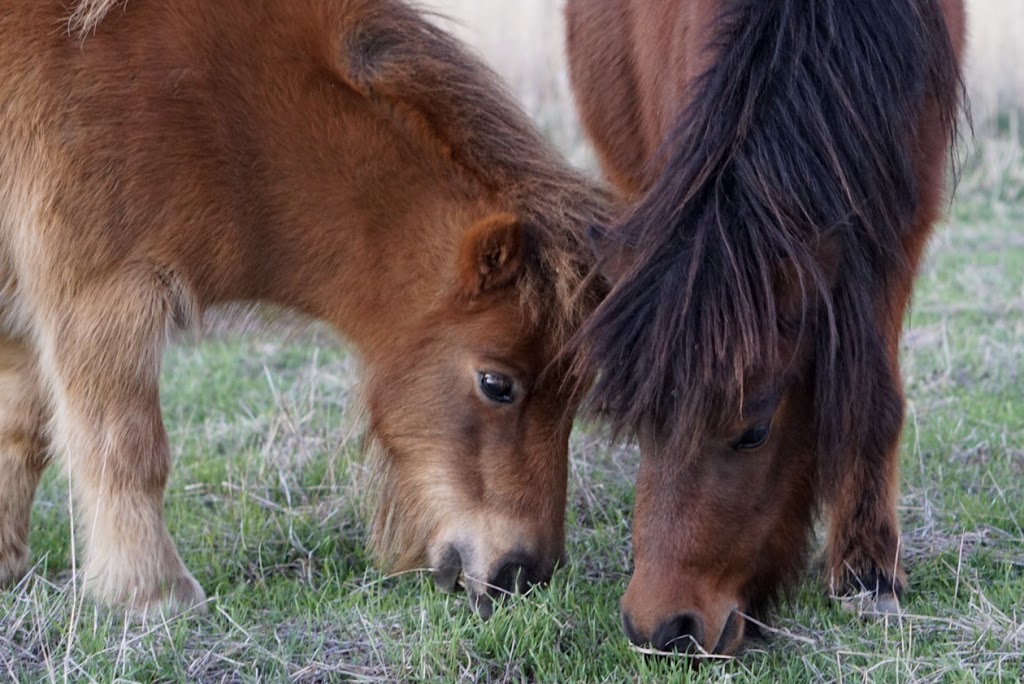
(266, 506)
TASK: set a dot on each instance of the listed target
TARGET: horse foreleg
(101, 355)
(863, 552)
(22, 455)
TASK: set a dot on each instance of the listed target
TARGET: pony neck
(374, 276)
(339, 206)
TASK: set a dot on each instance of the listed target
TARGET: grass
(266, 508)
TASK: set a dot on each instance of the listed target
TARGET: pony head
(750, 339)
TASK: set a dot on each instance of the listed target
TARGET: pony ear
(789, 295)
(492, 255)
(613, 257)
(367, 58)
(829, 255)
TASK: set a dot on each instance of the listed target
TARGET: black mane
(786, 189)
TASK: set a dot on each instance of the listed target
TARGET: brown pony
(786, 160)
(340, 158)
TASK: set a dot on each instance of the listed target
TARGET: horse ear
(492, 255)
(829, 255)
(789, 295)
(366, 58)
(613, 257)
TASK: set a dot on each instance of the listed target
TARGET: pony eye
(753, 438)
(497, 387)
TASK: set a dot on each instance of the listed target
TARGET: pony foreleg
(102, 359)
(863, 553)
(22, 455)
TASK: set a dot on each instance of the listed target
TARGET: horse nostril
(683, 633)
(634, 636)
(447, 569)
(514, 577)
(516, 573)
(732, 634)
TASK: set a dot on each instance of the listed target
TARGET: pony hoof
(12, 569)
(871, 606)
(167, 597)
(185, 596)
(887, 605)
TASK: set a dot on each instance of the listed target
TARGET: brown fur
(340, 158)
(787, 163)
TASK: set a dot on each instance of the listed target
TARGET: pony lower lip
(482, 604)
(447, 570)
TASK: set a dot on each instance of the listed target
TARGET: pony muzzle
(690, 633)
(708, 624)
(514, 573)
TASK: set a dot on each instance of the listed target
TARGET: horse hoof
(12, 569)
(871, 606)
(885, 606)
(186, 596)
(181, 595)
(165, 596)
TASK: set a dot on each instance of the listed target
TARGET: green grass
(266, 508)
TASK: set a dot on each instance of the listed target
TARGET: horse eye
(497, 387)
(753, 438)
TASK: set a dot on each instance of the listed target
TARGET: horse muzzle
(708, 623)
(514, 572)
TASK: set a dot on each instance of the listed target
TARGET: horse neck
(348, 215)
(374, 274)
(368, 244)
(213, 140)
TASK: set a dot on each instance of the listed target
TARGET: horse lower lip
(447, 570)
(483, 605)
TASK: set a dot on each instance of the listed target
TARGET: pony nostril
(447, 569)
(732, 634)
(631, 633)
(514, 577)
(516, 572)
(683, 633)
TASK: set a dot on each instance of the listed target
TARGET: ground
(266, 506)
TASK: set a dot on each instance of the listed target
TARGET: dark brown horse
(339, 158)
(786, 163)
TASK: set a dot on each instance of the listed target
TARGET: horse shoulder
(605, 85)
(630, 77)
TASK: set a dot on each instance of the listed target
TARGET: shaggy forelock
(398, 56)
(797, 144)
(86, 15)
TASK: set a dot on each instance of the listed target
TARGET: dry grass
(995, 56)
(524, 42)
(265, 499)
